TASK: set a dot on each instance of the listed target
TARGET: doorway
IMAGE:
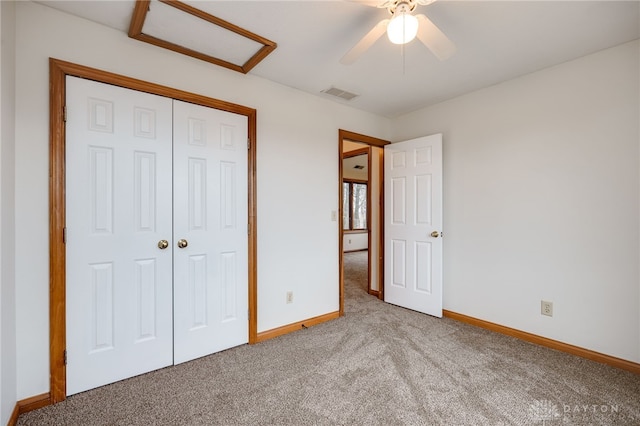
(361, 229)
(357, 215)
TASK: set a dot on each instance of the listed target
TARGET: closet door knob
(435, 234)
(163, 244)
(182, 243)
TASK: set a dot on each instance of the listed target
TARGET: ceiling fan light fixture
(402, 28)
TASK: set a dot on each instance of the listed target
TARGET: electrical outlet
(289, 297)
(546, 308)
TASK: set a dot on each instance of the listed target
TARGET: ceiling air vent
(343, 94)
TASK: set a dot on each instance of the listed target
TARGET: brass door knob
(163, 244)
(182, 243)
(435, 234)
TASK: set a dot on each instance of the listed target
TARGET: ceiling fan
(401, 28)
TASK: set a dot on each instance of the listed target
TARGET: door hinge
(64, 355)
(248, 314)
(248, 229)
(248, 143)
(64, 113)
(64, 235)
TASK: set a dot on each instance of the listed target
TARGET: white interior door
(211, 220)
(413, 224)
(118, 207)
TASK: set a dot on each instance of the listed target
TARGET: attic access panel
(177, 26)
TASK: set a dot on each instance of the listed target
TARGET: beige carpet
(378, 365)
(356, 273)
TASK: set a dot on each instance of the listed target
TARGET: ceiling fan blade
(434, 39)
(366, 42)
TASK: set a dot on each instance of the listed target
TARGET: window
(354, 205)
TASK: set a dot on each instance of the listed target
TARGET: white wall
(297, 136)
(355, 241)
(541, 193)
(7, 234)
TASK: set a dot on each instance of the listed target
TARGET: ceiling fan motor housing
(402, 6)
(408, 5)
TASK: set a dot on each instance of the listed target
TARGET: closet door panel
(210, 224)
(118, 207)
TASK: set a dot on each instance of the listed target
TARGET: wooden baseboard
(29, 404)
(285, 329)
(34, 403)
(549, 343)
(375, 293)
(13, 420)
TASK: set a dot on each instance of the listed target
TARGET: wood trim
(340, 228)
(375, 293)
(140, 14)
(29, 404)
(57, 221)
(285, 329)
(253, 227)
(69, 68)
(13, 419)
(349, 180)
(381, 233)
(369, 215)
(33, 403)
(360, 138)
(137, 18)
(549, 343)
(58, 70)
(355, 152)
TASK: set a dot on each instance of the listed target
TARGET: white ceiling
(496, 41)
(349, 170)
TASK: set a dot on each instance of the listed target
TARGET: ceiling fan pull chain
(402, 52)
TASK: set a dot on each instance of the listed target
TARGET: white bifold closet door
(142, 170)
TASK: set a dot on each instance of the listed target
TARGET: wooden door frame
(58, 70)
(345, 135)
